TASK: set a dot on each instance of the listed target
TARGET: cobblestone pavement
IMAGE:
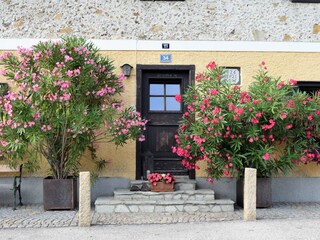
(33, 216)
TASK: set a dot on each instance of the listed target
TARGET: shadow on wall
(283, 189)
(223, 188)
(106, 186)
(32, 189)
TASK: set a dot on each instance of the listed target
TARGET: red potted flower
(162, 182)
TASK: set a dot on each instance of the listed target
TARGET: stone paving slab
(33, 216)
(202, 194)
(162, 218)
(112, 201)
(111, 205)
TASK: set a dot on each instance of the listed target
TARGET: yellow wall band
(302, 66)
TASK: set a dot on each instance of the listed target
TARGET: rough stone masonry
(241, 20)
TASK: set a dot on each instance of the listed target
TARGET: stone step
(180, 184)
(201, 195)
(185, 185)
(111, 205)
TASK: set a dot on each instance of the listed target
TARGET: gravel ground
(33, 216)
(274, 229)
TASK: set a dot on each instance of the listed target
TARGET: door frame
(140, 70)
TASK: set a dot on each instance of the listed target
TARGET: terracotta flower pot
(163, 187)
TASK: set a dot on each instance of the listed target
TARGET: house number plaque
(165, 58)
(231, 76)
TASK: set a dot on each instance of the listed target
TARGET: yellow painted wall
(298, 66)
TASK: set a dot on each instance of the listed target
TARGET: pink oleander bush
(271, 127)
(65, 102)
(167, 178)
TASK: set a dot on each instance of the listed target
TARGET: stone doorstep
(190, 192)
(110, 205)
(185, 186)
(112, 201)
(201, 194)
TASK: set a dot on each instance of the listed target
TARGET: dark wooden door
(157, 89)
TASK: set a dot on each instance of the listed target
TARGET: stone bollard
(250, 194)
(84, 200)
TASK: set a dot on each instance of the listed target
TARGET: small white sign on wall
(231, 75)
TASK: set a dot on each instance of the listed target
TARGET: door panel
(156, 101)
(161, 139)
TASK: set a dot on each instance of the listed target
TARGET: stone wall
(244, 20)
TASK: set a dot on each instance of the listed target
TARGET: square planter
(59, 193)
(264, 192)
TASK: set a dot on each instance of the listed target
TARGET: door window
(162, 97)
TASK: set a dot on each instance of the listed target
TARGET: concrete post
(84, 200)
(250, 194)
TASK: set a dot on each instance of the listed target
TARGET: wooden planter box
(59, 193)
(163, 187)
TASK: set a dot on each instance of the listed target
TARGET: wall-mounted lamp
(126, 69)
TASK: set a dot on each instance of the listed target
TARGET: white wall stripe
(149, 45)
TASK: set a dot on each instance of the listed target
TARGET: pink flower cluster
(128, 125)
(167, 178)
(105, 90)
(66, 92)
(63, 84)
(231, 129)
